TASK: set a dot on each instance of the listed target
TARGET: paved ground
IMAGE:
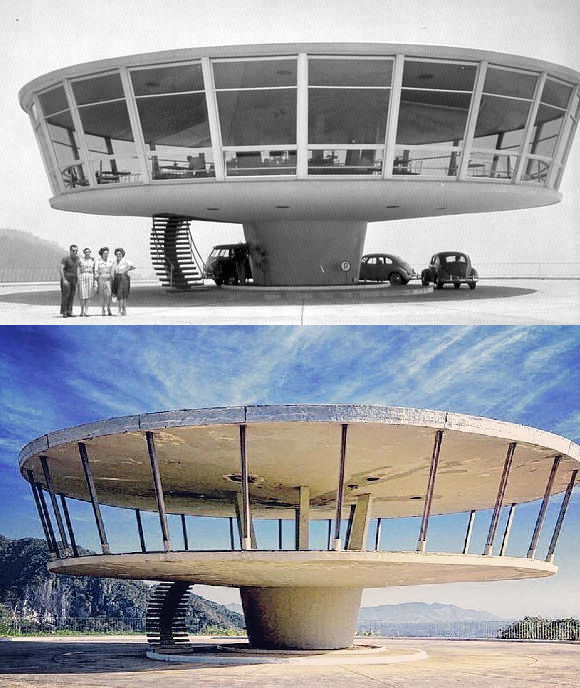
(496, 302)
(119, 663)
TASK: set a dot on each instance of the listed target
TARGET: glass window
(179, 120)
(348, 72)
(567, 137)
(43, 145)
(53, 101)
(509, 83)
(556, 93)
(98, 89)
(491, 165)
(173, 79)
(425, 162)
(250, 118)
(438, 75)
(262, 162)
(536, 171)
(254, 74)
(546, 130)
(347, 115)
(177, 163)
(500, 123)
(351, 161)
(63, 136)
(116, 171)
(110, 123)
(432, 117)
(74, 177)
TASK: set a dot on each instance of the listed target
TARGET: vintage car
(383, 267)
(228, 264)
(450, 267)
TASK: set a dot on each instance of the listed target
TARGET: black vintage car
(450, 267)
(382, 267)
(229, 264)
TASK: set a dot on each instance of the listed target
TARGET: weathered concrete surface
(120, 663)
(494, 302)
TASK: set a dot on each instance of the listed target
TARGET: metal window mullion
(329, 535)
(157, 484)
(393, 114)
(280, 533)
(561, 516)
(340, 488)
(469, 532)
(93, 497)
(529, 128)
(43, 522)
(232, 540)
(48, 522)
(80, 130)
(499, 499)
(54, 502)
(44, 154)
(472, 119)
(135, 120)
(543, 508)
(421, 545)
(184, 532)
(508, 529)
(378, 533)
(246, 520)
(67, 518)
(213, 117)
(558, 150)
(140, 530)
(302, 116)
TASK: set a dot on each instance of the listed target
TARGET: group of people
(104, 277)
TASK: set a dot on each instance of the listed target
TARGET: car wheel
(457, 284)
(395, 278)
(439, 284)
(425, 280)
(472, 285)
(218, 282)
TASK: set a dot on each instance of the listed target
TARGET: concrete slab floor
(103, 662)
(494, 302)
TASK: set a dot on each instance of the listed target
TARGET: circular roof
(388, 455)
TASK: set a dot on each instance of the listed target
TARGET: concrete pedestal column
(305, 252)
(297, 618)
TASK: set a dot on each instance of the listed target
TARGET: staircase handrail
(195, 254)
(165, 258)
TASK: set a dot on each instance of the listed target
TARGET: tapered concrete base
(297, 618)
(305, 252)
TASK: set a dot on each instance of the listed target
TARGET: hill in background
(22, 249)
(419, 612)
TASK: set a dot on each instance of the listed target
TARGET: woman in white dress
(86, 280)
(121, 280)
(103, 268)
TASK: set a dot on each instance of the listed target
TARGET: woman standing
(121, 279)
(104, 266)
(86, 280)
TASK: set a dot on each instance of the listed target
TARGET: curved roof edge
(267, 49)
(329, 413)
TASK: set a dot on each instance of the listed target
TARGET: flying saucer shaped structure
(304, 144)
(341, 467)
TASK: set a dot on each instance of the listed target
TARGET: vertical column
(499, 499)
(43, 523)
(184, 532)
(93, 496)
(340, 488)
(232, 541)
(378, 533)
(561, 516)
(302, 518)
(47, 520)
(508, 529)
(279, 533)
(329, 538)
(239, 511)
(54, 502)
(421, 545)
(543, 508)
(158, 491)
(349, 525)
(71, 534)
(469, 532)
(140, 530)
(360, 522)
(302, 117)
(246, 520)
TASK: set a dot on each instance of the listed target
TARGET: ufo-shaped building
(304, 144)
(355, 474)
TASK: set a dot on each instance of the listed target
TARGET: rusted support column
(349, 526)
(378, 532)
(47, 520)
(246, 521)
(54, 502)
(71, 534)
(340, 488)
(140, 530)
(232, 541)
(421, 545)
(499, 499)
(561, 515)
(469, 532)
(303, 518)
(94, 500)
(184, 532)
(360, 523)
(508, 529)
(239, 512)
(279, 533)
(43, 523)
(543, 508)
(158, 491)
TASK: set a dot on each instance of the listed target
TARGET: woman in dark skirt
(121, 282)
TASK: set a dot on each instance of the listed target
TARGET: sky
(38, 36)
(54, 377)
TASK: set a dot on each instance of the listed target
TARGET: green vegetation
(539, 628)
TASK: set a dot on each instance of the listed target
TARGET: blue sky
(53, 377)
